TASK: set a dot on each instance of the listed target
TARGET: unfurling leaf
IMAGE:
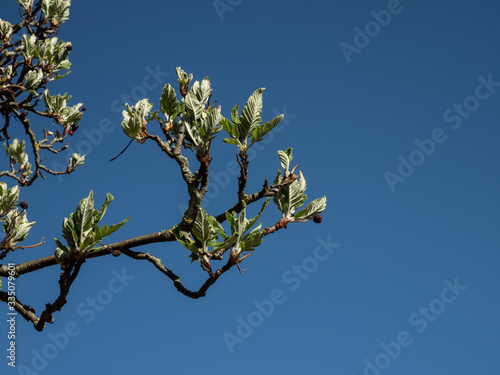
(75, 161)
(134, 119)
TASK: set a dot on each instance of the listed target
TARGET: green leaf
(232, 141)
(32, 80)
(239, 228)
(185, 241)
(203, 229)
(254, 220)
(285, 158)
(231, 129)
(16, 226)
(75, 161)
(8, 197)
(202, 90)
(55, 104)
(28, 46)
(193, 106)
(81, 231)
(26, 3)
(83, 217)
(59, 76)
(209, 127)
(21, 227)
(134, 118)
(61, 254)
(251, 115)
(57, 10)
(104, 207)
(168, 102)
(191, 132)
(314, 208)
(108, 230)
(5, 29)
(226, 244)
(265, 128)
(296, 193)
(218, 227)
(252, 240)
(69, 233)
(234, 115)
(182, 77)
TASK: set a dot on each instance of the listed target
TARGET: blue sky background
(349, 123)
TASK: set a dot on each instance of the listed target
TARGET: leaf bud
(317, 219)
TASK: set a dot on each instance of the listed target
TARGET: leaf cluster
(247, 127)
(15, 223)
(82, 231)
(293, 196)
(27, 65)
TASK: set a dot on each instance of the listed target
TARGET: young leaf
(83, 217)
(296, 193)
(16, 226)
(203, 229)
(314, 208)
(202, 90)
(32, 79)
(265, 128)
(191, 132)
(134, 118)
(217, 227)
(285, 158)
(69, 232)
(62, 254)
(107, 230)
(102, 210)
(193, 106)
(234, 115)
(209, 127)
(185, 241)
(168, 102)
(251, 115)
(232, 141)
(251, 222)
(252, 240)
(8, 197)
(57, 10)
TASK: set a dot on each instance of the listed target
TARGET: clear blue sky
(395, 120)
